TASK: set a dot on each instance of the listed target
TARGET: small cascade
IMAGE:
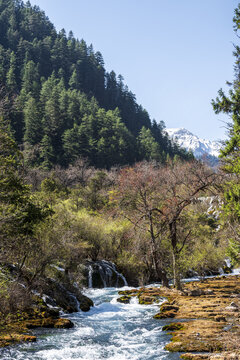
(227, 268)
(90, 273)
(102, 274)
(221, 271)
(228, 263)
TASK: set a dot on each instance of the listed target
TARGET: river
(110, 330)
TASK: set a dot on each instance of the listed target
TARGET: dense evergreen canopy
(230, 154)
(68, 106)
(230, 104)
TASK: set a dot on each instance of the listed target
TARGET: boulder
(168, 307)
(63, 324)
(67, 296)
(196, 292)
(220, 318)
(49, 323)
(165, 315)
(125, 299)
(173, 327)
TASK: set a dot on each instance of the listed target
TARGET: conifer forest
(94, 194)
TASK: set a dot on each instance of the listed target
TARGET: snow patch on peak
(178, 131)
(191, 142)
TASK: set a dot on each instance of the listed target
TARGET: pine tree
(47, 153)
(71, 145)
(148, 147)
(230, 154)
(30, 80)
(33, 122)
(11, 75)
(73, 82)
(18, 213)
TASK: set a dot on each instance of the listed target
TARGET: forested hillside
(66, 105)
(70, 217)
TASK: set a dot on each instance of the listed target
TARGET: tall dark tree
(18, 213)
(11, 74)
(230, 153)
(33, 122)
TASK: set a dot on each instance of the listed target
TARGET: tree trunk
(165, 281)
(158, 269)
(176, 275)
(175, 255)
(160, 274)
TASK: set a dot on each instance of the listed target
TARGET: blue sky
(173, 54)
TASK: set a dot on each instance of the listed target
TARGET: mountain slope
(68, 105)
(199, 147)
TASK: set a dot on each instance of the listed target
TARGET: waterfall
(228, 263)
(221, 271)
(103, 274)
(90, 272)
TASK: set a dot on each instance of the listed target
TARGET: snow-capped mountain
(199, 147)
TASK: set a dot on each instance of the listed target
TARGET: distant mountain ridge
(199, 147)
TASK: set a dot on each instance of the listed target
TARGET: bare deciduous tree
(156, 197)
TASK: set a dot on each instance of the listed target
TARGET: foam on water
(110, 330)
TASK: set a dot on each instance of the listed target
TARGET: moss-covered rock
(146, 299)
(49, 323)
(63, 324)
(84, 302)
(13, 338)
(132, 292)
(190, 345)
(189, 356)
(173, 327)
(65, 295)
(165, 307)
(165, 315)
(212, 309)
(124, 299)
(220, 318)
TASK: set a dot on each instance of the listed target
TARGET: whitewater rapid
(110, 330)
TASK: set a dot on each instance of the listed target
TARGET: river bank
(110, 330)
(40, 306)
(204, 316)
(149, 323)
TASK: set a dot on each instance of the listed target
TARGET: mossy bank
(207, 317)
